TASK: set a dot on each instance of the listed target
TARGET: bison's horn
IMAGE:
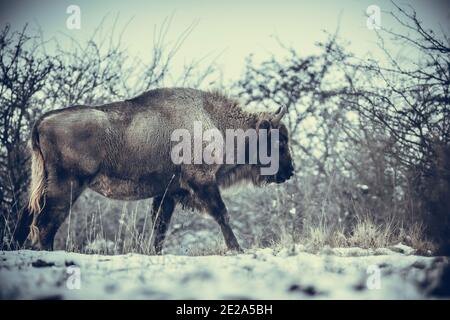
(278, 115)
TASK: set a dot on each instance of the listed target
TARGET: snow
(400, 247)
(343, 273)
(362, 187)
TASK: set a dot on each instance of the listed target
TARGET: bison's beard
(244, 174)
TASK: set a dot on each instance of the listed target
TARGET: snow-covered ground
(350, 273)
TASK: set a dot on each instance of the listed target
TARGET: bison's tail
(38, 184)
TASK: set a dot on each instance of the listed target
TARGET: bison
(122, 151)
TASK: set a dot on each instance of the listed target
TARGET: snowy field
(350, 273)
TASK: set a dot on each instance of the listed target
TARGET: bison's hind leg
(22, 228)
(61, 193)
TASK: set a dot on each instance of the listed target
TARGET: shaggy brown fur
(122, 151)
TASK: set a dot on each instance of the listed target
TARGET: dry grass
(215, 247)
(366, 234)
(414, 235)
(101, 231)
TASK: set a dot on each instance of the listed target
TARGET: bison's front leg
(209, 194)
(162, 210)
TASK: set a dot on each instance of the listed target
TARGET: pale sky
(229, 29)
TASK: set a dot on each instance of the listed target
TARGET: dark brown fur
(122, 151)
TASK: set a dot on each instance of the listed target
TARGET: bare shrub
(23, 74)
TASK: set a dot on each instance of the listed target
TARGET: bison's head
(285, 167)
